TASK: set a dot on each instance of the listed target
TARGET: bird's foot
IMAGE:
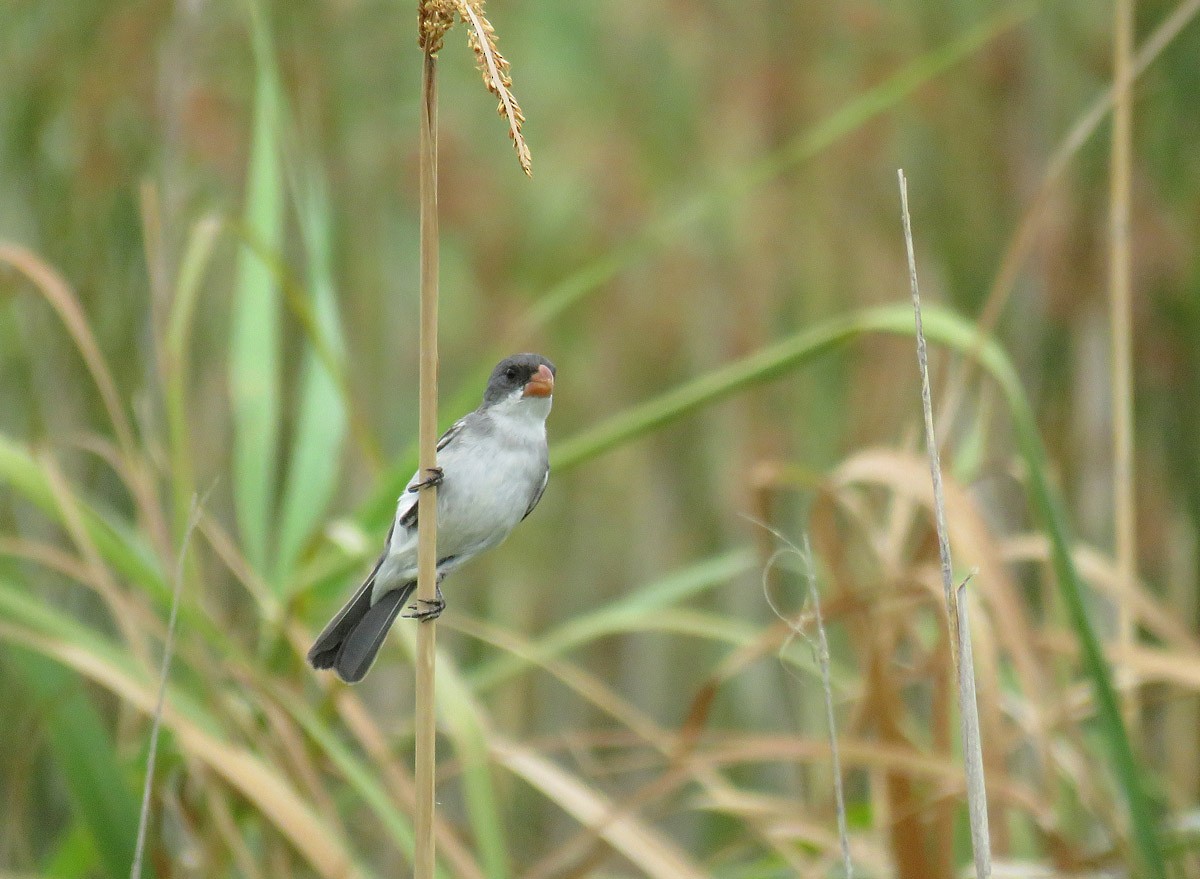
(426, 610)
(433, 477)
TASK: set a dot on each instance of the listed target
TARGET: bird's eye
(511, 373)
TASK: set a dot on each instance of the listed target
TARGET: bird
(493, 466)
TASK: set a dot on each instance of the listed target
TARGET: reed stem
(426, 719)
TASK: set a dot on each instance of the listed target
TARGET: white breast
(493, 469)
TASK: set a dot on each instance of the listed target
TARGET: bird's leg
(434, 476)
(428, 610)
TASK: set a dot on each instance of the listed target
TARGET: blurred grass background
(215, 202)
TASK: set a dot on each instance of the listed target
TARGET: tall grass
(710, 255)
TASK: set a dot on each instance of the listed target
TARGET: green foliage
(321, 410)
(254, 355)
(83, 748)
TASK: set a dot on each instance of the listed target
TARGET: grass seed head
(495, 67)
(434, 18)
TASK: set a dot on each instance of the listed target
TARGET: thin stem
(426, 723)
(822, 651)
(135, 868)
(1120, 311)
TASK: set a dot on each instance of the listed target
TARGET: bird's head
(521, 378)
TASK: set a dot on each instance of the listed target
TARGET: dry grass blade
(62, 299)
(959, 636)
(494, 68)
(651, 852)
(677, 750)
(872, 754)
(359, 721)
(1160, 619)
(587, 686)
(584, 853)
(221, 816)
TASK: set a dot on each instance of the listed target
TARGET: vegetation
(208, 350)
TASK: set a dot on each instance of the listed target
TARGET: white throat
(523, 414)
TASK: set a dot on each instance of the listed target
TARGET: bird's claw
(435, 476)
(430, 610)
(427, 609)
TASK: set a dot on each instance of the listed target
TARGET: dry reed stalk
(960, 630)
(425, 758)
(434, 19)
(1120, 316)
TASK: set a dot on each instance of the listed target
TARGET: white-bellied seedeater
(493, 465)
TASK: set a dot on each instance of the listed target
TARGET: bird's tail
(353, 637)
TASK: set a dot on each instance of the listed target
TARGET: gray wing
(537, 495)
(407, 515)
(454, 430)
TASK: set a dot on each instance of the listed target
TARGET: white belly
(483, 499)
(487, 486)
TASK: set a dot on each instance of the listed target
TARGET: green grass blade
(120, 545)
(463, 718)
(254, 336)
(759, 367)
(322, 414)
(639, 603)
(84, 752)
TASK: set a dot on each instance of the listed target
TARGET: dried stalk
(434, 19)
(960, 637)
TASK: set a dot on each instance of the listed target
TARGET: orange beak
(541, 385)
